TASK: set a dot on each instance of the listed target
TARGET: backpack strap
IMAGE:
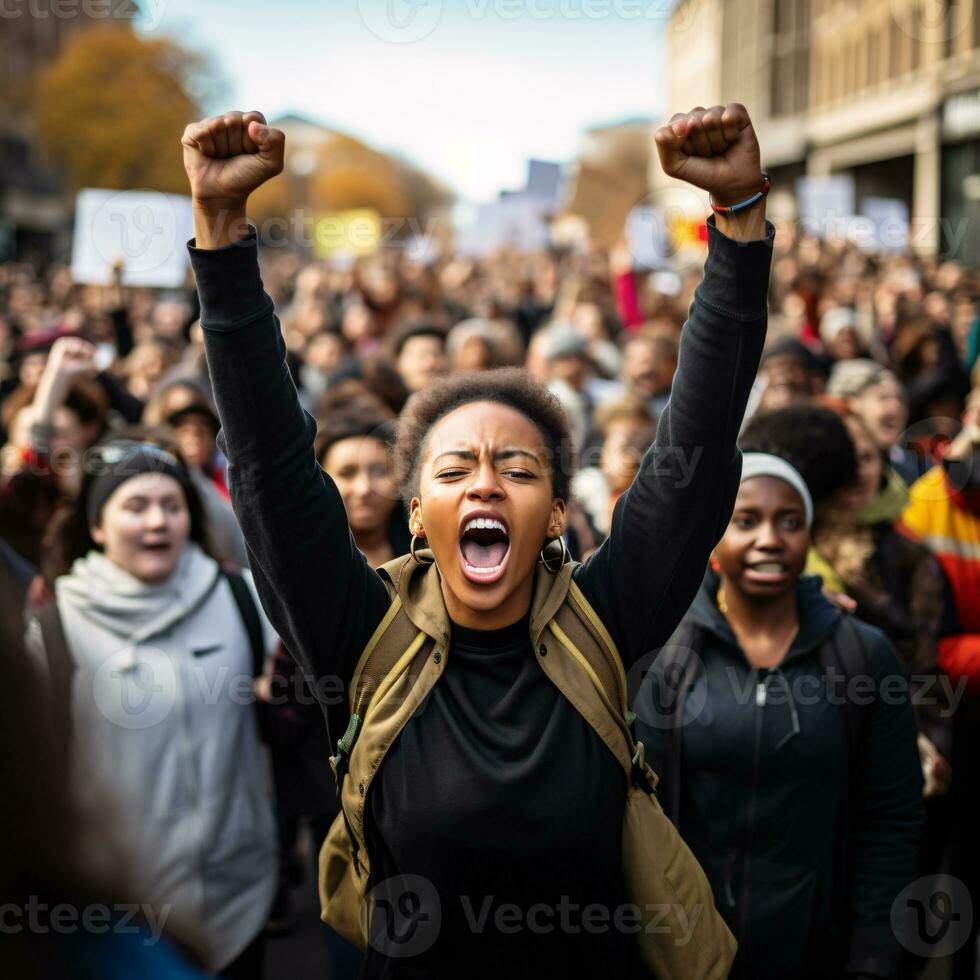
(245, 602)
(842, 657)
(379, 666)
(61, 670)
(678, 660)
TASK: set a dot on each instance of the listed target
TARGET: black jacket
(804, 874)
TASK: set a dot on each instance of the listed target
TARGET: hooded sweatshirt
(765, 796)
(165, 740)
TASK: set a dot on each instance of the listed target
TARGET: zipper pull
(760, 694)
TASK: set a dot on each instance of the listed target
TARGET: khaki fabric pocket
(341, 889)
(681, 935)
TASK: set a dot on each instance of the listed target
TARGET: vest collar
(420, 590)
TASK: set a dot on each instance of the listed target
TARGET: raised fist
(715, 149)
(226, 157)
(70, 358)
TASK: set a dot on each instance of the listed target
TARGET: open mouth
(483, 548)
(768, 571)
(157, 546)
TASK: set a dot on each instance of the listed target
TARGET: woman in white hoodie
(154, 658)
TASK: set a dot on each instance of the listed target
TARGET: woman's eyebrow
(500, 456)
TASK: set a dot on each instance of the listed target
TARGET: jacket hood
(108, 596)
(818, 616)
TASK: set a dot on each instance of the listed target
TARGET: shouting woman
(486, 775)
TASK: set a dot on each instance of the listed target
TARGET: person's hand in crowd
(620, 259)
(937, 774)
(226, 157)
(70, 358)
(716, 149)
(841, 600)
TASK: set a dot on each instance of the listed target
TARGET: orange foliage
(111, 110)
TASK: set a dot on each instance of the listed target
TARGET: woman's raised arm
(645, 575)
(316, 587)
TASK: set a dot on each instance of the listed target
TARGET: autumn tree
(111, 108)
(350, 174)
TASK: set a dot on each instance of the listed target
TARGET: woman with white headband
(783, 735)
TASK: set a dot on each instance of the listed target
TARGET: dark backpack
(61, 664)
(841, 657)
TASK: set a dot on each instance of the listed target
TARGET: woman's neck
(765, 629)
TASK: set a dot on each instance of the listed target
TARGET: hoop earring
(549, 560)
(415, 557)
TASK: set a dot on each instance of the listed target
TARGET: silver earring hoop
(412, 551)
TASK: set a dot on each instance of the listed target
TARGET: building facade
(884, 91)
(32, 35)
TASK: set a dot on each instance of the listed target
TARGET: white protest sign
(825, 204)
(890, 218)
(646, 237)
(144, 230)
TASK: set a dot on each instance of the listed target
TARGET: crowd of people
(855, 542)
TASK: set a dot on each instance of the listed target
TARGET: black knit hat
(121, 460)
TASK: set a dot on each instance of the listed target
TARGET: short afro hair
(512, 387)
(812, 438)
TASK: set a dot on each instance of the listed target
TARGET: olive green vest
(682, 935)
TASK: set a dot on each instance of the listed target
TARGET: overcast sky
(469, 89)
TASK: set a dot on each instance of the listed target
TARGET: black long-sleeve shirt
(496, 791)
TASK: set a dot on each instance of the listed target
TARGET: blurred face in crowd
(476, 354)
(622, 449)
(882, 408)
(573, 369)
(358, 323)
(846, 345)
(787, 370)
(361, 468)
(144, 526)
(763, 550)
(421, 360)
(648, 368)
(70, 439)
(486, 507)
(169, 317)
(325, 352)
(587, 320)
(869, 463)
(31, 368)
(196, 439)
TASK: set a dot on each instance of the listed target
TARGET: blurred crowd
(868, 386)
